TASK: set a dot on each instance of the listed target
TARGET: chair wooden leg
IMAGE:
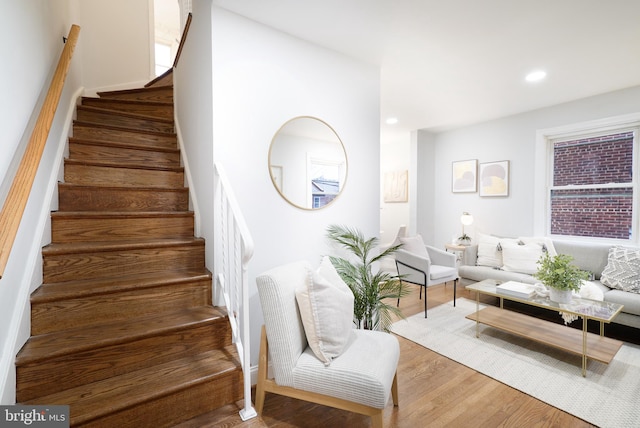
(376, 419)
(394, 390)
(263, 367)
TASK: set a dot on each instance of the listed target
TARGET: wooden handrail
(18, 195)
(182, 39)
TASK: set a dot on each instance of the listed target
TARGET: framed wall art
(464, 176)
(396, 186)
(494, 178)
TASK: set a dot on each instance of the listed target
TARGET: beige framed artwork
(396, 186)
(494, 178)
(464, 175)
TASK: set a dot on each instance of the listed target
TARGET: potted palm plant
(560, 276)
(369, 289)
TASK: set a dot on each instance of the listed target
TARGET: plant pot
(559, 296)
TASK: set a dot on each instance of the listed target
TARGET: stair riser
(165, 412)
(48, 317)
(155, 110)
(121, 199)
(68, 267)
(123, 156)
(114, 135)
(59, 373)
(118, 228)
(159, 94)
(109, 176)
(105, 118)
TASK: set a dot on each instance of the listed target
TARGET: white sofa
(592, 257)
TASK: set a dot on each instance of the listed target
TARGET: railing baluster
(233, 250)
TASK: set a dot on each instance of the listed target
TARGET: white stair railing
(233, 250)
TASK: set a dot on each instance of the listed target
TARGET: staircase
(123, 328)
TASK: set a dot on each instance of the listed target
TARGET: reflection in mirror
(307, 163)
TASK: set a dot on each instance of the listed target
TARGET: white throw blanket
(588, 290)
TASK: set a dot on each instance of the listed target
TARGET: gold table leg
(477, 314)
(584, 347)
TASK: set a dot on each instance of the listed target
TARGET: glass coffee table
(588, 345)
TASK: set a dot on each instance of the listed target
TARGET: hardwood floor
(434, 391)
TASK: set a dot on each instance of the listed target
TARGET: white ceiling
(448, 63)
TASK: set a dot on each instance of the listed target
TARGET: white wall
(511, 138)
(395, 156)
(261, 79)
(117, 36)
(38, 26)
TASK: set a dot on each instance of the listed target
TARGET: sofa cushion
(479, 273)
(588, 256)
(521, 258)
(489, 253)
(623, 269)
(363, 373)
(631, 301)
(326, 309)
(546, 243)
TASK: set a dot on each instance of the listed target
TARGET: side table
(458, 250)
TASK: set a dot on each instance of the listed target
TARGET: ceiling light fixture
(391, 121)
(536, 76)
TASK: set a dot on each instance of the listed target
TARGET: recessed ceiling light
(536, 76)
(391, 121)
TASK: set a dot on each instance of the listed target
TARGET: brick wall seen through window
(593, 206)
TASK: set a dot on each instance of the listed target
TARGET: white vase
(559, 296)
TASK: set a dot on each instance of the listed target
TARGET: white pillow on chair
(326, 309)
(415, 245)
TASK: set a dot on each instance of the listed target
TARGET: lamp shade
(466, 219)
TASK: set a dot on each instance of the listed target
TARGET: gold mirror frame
(307, 163)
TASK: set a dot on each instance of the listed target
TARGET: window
(592, 186)
(591, 180)
(163, 58)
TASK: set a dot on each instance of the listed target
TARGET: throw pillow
(415, 245)
(623, 269)
(521, 258)
(326, 309)
(489, 253)
(546, 243)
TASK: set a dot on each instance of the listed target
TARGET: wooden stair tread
(135, 90)
(122, 128)
(52, 292)
(91, 401)
(125, 114)
(46, 346)
(103, 187)
(124, 166)
(167, 75)
(123, 214)
(131, 102)
(86, 247)
(121, 144)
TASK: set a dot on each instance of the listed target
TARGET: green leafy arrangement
(558, 272)
(369, 289)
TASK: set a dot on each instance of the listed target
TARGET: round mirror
(307, 163)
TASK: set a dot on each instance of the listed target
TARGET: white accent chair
(359, 380)
(425, 266)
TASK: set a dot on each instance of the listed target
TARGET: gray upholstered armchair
(425, 265)
(359, 379)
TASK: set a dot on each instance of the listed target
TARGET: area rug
(609, 396)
